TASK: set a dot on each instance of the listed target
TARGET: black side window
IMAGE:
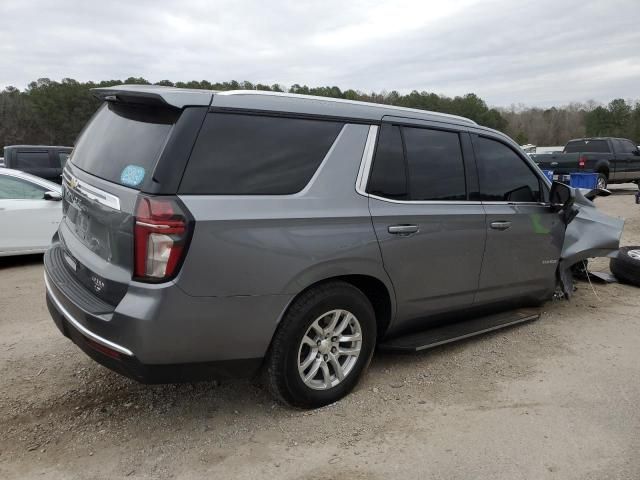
(388, 174)
(618, 145)
(436, 170)
(239, 154)
(503, 174)
(433, 169)
(628, 147)
(32, 159)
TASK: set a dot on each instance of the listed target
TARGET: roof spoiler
(154, 95)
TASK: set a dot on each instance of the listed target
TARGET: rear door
(628, 158)
(431, 235)
(524, 237)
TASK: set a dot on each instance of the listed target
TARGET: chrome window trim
(84, 330)
(365, 170)
(427, 202)
(89, 191)
(365, 162)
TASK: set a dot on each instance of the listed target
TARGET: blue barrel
(548, 174)
(584, 180)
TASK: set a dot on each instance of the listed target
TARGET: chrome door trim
(365, 162)
(365, 170)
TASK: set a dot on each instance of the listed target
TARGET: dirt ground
(557, 398)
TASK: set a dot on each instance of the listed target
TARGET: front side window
(503, 174)
(418, 164)
(17, 189)
(628, 147)
(238, 154)
(32, 159)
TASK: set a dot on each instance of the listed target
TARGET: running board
(457, 331)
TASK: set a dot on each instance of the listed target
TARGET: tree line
(555, 126)
(53, 113)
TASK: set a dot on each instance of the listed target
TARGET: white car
(30, 211)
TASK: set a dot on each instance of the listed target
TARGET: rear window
(588, 146)
(238, 154)
(122, 143)
(26, 159)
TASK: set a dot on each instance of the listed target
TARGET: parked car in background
(615, 160)
(221, 233)
(40, 160)
(556, 149)
(30, 211)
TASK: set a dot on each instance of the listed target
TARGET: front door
(431, 237)
(524, 236)
(628, 156)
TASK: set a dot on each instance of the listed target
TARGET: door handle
(500, 225)
(402, 229)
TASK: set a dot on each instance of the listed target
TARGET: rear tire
(305, 342)
(626, 267)
(602, 181)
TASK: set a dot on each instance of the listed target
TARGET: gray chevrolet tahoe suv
(227, 233)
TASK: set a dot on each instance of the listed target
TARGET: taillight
(160, 236)
(581, 162)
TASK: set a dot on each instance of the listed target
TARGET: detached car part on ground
(227, 233)
(626, 265)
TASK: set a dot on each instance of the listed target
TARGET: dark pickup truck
(39, 160)
(616, 160)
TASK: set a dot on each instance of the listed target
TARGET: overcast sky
(536, 53)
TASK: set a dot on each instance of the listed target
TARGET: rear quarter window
(239, 154)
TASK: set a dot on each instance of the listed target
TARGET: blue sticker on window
(132, 175)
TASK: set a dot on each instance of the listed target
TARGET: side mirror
(53, 196)
(561, 196)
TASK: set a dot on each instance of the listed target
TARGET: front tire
(322, 347)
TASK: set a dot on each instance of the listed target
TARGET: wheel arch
(603, 167)
(378, 291)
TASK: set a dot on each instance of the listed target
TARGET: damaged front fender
(590, 233)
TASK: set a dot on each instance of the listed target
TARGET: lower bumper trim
(81, 328)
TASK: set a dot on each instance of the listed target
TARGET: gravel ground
(557, 398)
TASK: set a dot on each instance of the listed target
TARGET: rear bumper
(159, 334)
(123, 361)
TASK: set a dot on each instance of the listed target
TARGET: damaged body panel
(591, 233)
